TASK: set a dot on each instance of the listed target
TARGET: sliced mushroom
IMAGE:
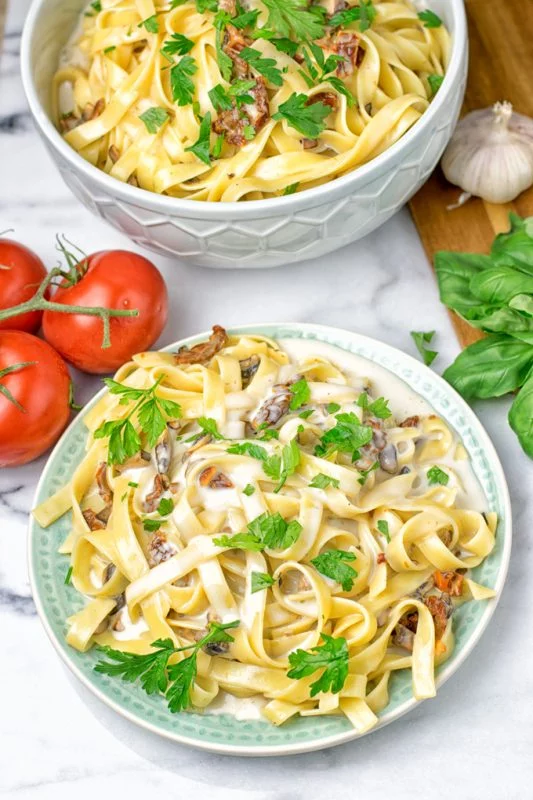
(160, 549)
(410, 422)
(249, 367)
(403, 637)
(151, 501)
(200, 442)
(204, 351)
(140, 459)
(109, 572)
(274, 407)
(441, 609)
(388, 459)
(163, 453)
(92, 520)
(104, 490)
(213, 479)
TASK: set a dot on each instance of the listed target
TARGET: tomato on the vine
(111, 279)
(35, 392)
(21, 272)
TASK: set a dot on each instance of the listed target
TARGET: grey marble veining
(473, 741)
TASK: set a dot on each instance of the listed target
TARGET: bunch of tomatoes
(96, 314)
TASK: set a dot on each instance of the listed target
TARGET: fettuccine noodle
(134, 105)
(388, 507)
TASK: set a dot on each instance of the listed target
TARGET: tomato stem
(39, 303)
(5, 391)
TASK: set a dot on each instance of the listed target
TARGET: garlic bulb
(490, 154)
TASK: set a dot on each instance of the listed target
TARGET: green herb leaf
(133, 484)
(95, 6)
(209, 425)
(180, 81)
(269, 434)
(68, 576)
(491, 367)
(150, 668)
(364, 13)
(437, 475)
(322, 481)
(301, 394)
(260, 581)
(240, 541)
(498, 285)
(332, 656)
(291, 188)
(265, 66)
(378, 408)
(306, 119)
(248, 489)
(383, 527)
(332, 408)
(455, 271)
(341, 88)
(166, 506)
(435, 82)
(177, 45)
(364, 473)
(347, 436)
(151, 24)
(284, 45)
(332, 564)
(306, 414)
(151, 525)
(248, 449)
(515, 248)
(430, 19)
(521, 416)
(247, 19)
(154, 118)
(421, 338)
(292, 18)
(282, 465)
(267, 530)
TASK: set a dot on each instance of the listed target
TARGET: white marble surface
(474, 740)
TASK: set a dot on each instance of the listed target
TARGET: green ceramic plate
(223, 733)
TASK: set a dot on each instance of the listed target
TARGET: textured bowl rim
(321, 333)
(237, 211)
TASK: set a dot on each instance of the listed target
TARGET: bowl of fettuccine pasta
(271, 539)
(245, 134)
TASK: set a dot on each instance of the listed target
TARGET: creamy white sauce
(242, 708)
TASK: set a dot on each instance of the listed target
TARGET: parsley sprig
(377, 408)
(332, 656)
(333, 564)
(282, 465)
(177, 45)
(260, 581)
(301, 394)
(265, 66)
(294, 18)
(154, 671)
(306, 119)
(436, 475)
(267, 530)
(322, 481)
(152, 414)
(154, 118)
(364, 13)
(348, 436)
(430, 19)
(201, 146)
(180, 80)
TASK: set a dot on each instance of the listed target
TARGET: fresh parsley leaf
(307, 413)
(365, 14)
(182, 676)
(322, 481)
(301, 394)
(332, 564)
(150, 668)
(378, 408)
(133, 484)
(364, 473)
(224, 61)
(306, 119)
(166, 506)
(219, 98)
(248, 132)
(260, 581)
(177, 45)
(209, 425)
(248, 489)
(217, 147)
(95, 6)
(347, 436)
(437, 475)
(293, 18)
(341, 88)
(435, 82)
(201, 149)
(248, 19)
(109, 49)
(281, 466)
(68, 576)
(151, 24)
(180, 81)
(430, 19)
(332, 656)
(383, 527)
(282, 44)
(267, 530)
(151, 525)
(332, 408)
(291, 188)
(248, 449)
(265, 66)
(268, 434)
(368, 15)
(206, 5)
(421, 338)
(240, 541)
(154, 118)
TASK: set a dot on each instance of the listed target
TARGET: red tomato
(21, 272)
(113, 279)
(43, 391)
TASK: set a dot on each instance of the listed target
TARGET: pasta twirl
(282, 497)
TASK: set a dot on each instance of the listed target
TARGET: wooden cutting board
(501, 68)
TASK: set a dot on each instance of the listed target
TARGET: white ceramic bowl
(260, 233)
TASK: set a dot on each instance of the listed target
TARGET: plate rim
(332, 740)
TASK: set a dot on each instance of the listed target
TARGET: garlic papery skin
(490, 154)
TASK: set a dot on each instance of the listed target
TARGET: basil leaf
(515, 248)
(499, 284)
(454, 274)
(521, 416)
(505, 320)
(491, 367)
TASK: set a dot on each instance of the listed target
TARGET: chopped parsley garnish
(265, 66)
(165, 507)
(437, 475)
(332, 408)
(268, 434)
(365, 14)
(151, 525)
(322, 481)
(332, 657)
(248, 489)
(421, 338)
(430, 19)
(133, 484)
(206, 5)
(281, 466)
(154, 118)
(347, 436)
(333, 565)
(294, 18)
(180, 81)
(267, 530)
(209, 425)
(245, 19)
(201, 150)
(307, 413)
(152, 414)
(177, 45)
(248, 132)
(154, 671)
(96, 7)
(68, 576)
(248, 449)
(301, 394)
(291, 188)
(224, 61)
(435, 82)
(223, 99)
(150, 24)
(306, 119)
(260, 581)
(217, 147)
(109, 49)
(383, 527)
(364, 473)
(378, 408)
(282, 44)
(341, 88)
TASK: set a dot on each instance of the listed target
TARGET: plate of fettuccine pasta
(271, 539)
